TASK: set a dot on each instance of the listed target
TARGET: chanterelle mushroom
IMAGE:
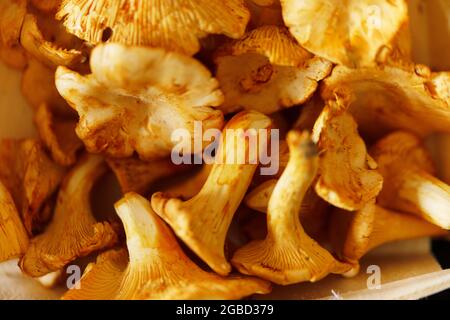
(173, 25)
(51, 45)
(386, 98)
(31, 178)
(409, 182)
(348, 32)
(12, 14)
(155, 266)
(73, 232)
(137, 97)
(203, 221)
(13, 236)
(348, 178)
(354, 234)
(288, 255)
(313, 212)
(135, 175)
(58, 135)
(267, 71)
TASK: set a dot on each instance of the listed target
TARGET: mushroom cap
(13, 236)
(56, 52)
(147, 93)
(156, 267)
(12, 14)
(288, 255)
(347, 32)
(31, 178)
(58, 135)
(73, 231)
(410, 184)
(267, 71)
(348, 178)
(173, 25)
(388, 98)
(135, 175)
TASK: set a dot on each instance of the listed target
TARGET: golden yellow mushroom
(31, 178)
(73, 231)
(13, 236)
(136, 175)
(45, 40)
(146, 93)
(347, 32)
(288, 255)
(391, 97)
(46, 5)
(354, 234)
(267, 71)
(348, 178)
(173, 25)
(203, 221)
(12, 15)
(58, 135)
(154, 267)
(410, 184)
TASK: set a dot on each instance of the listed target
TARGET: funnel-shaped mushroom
(354, 234)
(387, 98)
(13, 236)
(288, 255)
(267, 71)
(203, 221)
(50, 45)
(409, 182)
(135, 175)
(173, 25)
(136, 98)
(73, 232)
(58, 135)
(348, 178)
(12, 14)
(31, 178)
(348, 32)
(156, 267)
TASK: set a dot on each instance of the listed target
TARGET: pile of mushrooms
(330, 83)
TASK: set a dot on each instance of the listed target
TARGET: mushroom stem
(203, 221)
(284, 205)
(426, 196)
(288, 255)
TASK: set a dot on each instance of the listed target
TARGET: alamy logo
(234, 146)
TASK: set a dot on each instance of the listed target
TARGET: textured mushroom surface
(348, 178)
(147, 93)
(347, 32)
(202, 222)
(58, 135)
(73, 231)
(388, 98)
(288, 255)
(267, 71)
(410, 182)
(13, 236)
(173, 25)
(354, 234)
(31, 177)
(154, 267)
